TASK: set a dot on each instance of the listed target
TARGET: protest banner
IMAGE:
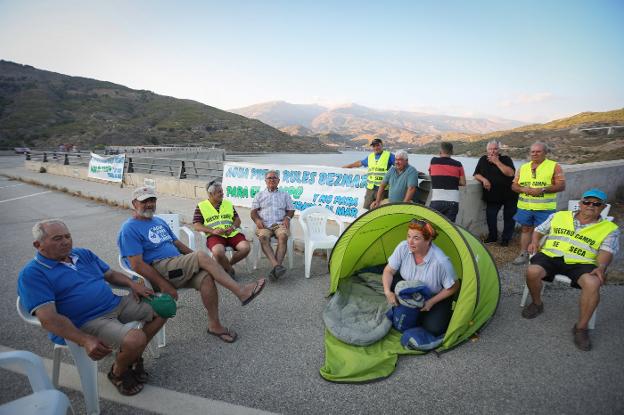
(108, 168)
(339, 190)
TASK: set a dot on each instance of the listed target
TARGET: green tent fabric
(369, 241)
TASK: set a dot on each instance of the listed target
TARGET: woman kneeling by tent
(432, 311)
(419, 260)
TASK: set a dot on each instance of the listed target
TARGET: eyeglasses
(588, 203)
(272, 178)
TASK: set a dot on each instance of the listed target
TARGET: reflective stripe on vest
(377, 169)
(222, 219)
(576, 247)
(543, 178)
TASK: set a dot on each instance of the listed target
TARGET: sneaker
(521, 259)
(532, 310)
(504, 243)
(581, 339)
(279, 271)
(490, 241)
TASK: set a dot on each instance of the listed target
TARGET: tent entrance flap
(369, 241)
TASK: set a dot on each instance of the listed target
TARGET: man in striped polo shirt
(447, 175)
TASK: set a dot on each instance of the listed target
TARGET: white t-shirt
(436, 271)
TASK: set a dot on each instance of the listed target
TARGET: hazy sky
(524, 60)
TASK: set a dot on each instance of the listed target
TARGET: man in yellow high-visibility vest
(218, 219)
(579, 245)
(378, 163)
(537, 182)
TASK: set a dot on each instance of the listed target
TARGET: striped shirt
(272, 206)
(610, 244)
(445, 173)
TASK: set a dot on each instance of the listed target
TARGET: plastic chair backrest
(173, 220)
(573, 205)
(314, 221)
(25, 315)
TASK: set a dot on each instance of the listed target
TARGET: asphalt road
(515, 366)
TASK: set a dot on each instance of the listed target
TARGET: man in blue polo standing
(378, 163)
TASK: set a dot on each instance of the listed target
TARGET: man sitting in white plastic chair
(157, 254)
(579, 245)
(66, 289)
(218, 219)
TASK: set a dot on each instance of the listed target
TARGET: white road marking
(151, 398)
(13, 185)
(23, 197)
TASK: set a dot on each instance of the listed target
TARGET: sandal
(125, 383)
(138, 371)
(227, 336)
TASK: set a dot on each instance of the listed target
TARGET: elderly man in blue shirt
(66, 289)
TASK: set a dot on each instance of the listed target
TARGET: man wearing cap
(67, 289)
(378, 163)
(158, 255)
(579, 245)
(218, 219)
(537, 182)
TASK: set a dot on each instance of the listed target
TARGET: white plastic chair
(87, 368)
(313, 221)
(45, 399)
(173, 220)
(572, 206)
(256, 250)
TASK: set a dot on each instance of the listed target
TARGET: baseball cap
(143, 193)
(597, 193)
(164, 305)
(376, 141)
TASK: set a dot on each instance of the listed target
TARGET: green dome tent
(369, 241)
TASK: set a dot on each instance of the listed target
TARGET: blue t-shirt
(151, 238)
(390, 160)
(78, 290)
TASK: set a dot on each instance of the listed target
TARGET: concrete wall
(608, 176)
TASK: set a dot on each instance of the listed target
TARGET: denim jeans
(448, 209)
(491, 214)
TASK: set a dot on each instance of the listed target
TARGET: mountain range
(356, 125)
(41, 109)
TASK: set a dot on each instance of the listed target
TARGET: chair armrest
(190, 235)
(29, 364)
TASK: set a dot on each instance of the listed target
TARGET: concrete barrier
(608, 175)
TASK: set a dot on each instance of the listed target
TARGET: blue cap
(597, 193)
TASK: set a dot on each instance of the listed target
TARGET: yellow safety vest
(222, 219)
(543, 178)
(576, 247)
(377, 169)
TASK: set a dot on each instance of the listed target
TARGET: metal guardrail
(178, 168)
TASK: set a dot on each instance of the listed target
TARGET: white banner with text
(108, 168)
(339, 190)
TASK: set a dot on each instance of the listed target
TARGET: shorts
(111, 328)
(275, 230)
(532, 217)
(220, 240)
(557, 265)
(182, 271)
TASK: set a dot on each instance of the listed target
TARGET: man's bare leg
(589, 299)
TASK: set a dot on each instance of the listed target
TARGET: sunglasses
(588, 203)
(418, 222)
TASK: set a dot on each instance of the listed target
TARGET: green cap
(163, 304)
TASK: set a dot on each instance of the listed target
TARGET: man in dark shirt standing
(447, 174)
(496, 172)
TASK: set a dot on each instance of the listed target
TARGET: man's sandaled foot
(256, 290)
(125, 383)
(227, 336)
(279, 271)
(138, 371)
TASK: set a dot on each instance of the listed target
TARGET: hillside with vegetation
(566, 138)
(45, 109)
